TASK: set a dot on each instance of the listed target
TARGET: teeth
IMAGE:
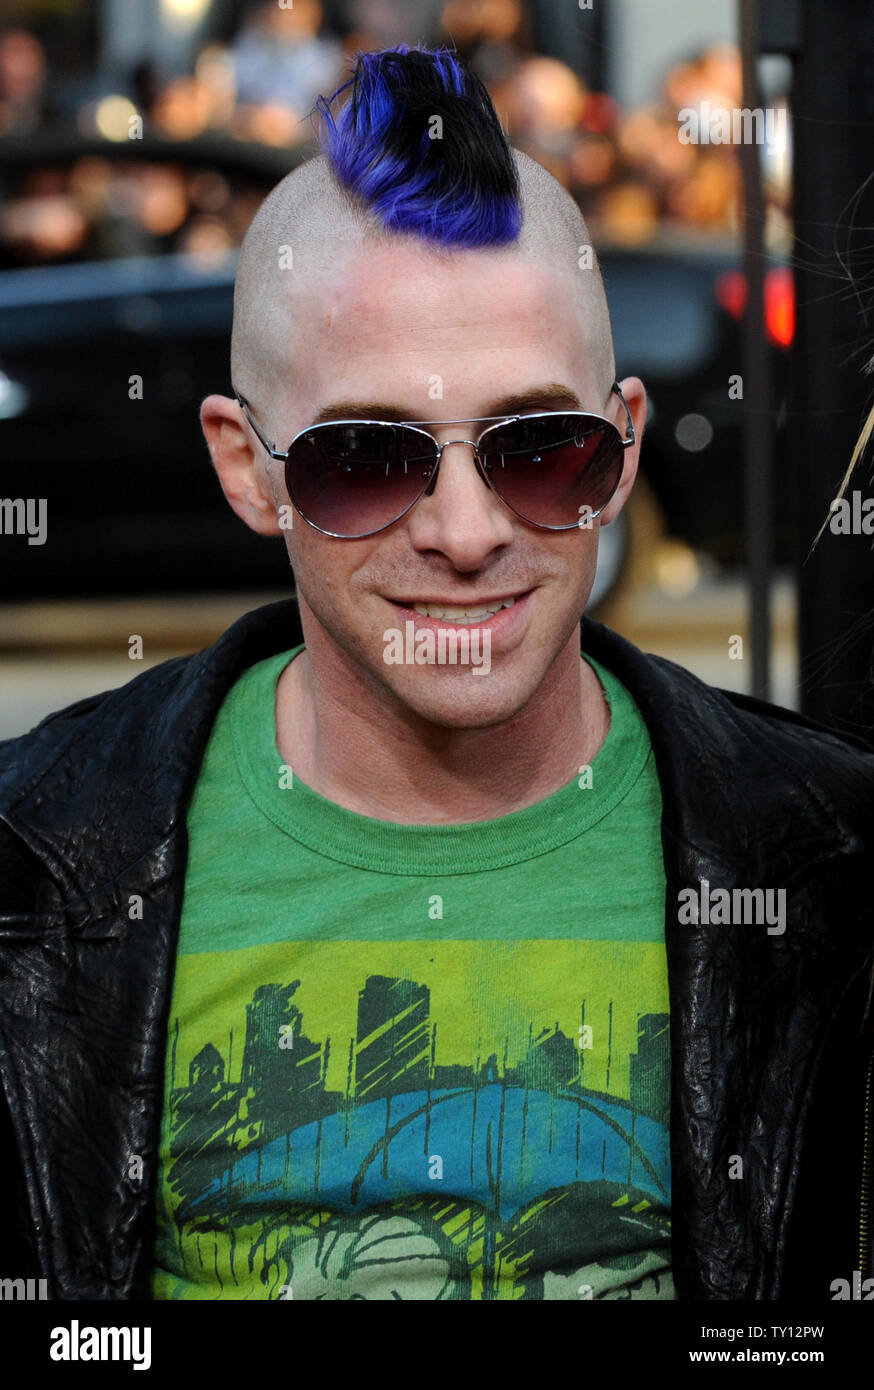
(462, 615)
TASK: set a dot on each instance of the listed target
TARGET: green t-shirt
(417, 1061)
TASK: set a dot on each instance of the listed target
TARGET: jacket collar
(142, 746)
(157, 726)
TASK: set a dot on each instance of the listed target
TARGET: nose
(459, 514)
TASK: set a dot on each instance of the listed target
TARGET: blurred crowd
(628, 169)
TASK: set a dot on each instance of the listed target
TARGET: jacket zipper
(865, 1193)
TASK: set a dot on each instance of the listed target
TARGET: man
(348, 959)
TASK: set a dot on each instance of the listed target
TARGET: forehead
(398, 315)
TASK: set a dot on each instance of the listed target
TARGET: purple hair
(459, 189)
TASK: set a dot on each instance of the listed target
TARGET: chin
(463, 700)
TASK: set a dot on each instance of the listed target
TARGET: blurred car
(676, 315)
(104, 362)
(120, 324)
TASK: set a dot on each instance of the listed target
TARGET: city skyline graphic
(450, 1179)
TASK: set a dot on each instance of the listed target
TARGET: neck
(357, 745)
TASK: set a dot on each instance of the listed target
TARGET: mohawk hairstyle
(460, 190)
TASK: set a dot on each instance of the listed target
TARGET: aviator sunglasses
(353, 478)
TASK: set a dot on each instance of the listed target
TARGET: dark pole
(758, 423)
(573, 34)
(833, 130)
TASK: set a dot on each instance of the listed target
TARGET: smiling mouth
(462, 614)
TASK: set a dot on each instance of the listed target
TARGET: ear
(240, 461)
(634, 392)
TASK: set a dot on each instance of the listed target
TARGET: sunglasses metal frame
(430, 481)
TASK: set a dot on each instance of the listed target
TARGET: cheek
(324, 570)
(581, 557)
(582, 564)
(314, 589)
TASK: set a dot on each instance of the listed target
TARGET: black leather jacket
(771, 1034)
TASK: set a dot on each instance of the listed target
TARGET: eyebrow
(553, 396)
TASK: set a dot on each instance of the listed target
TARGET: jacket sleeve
(19, 875)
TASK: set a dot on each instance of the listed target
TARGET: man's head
(420, 263)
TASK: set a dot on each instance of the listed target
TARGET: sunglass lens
(353, 479)
(548, 468)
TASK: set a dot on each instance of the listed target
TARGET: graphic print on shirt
(444, 1120)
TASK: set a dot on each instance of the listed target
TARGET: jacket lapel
(101, 801)
(751, 1010)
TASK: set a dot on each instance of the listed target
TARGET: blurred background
(137, 139)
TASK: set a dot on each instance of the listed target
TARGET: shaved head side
(304, 224)
(554, 233)
(383, 179)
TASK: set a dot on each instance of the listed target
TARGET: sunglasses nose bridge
(439, 459)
